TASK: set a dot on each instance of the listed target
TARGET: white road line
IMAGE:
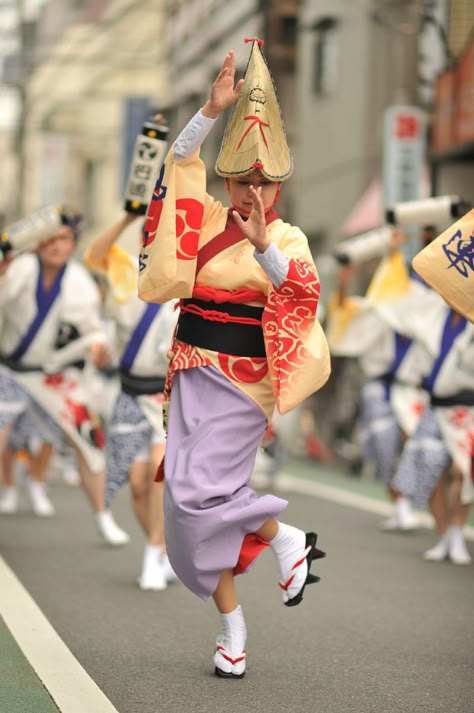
(67, 682)
(361, 502)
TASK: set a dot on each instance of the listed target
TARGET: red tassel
(254, 39)
(160, 473)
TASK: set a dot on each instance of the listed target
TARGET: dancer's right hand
(223, 92)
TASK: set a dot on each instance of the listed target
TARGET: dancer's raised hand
(223, 92)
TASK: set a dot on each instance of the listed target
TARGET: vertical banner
(403, 159)
(150, 152)
(136, 110)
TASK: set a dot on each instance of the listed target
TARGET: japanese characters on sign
(150, 151)
(459, 251)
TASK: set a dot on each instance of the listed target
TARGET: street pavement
(383, 632)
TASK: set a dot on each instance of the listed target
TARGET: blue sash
(138, 335)
(450, 332)
(402, 345)
(44, 301)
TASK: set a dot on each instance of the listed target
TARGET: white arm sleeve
(192, 136)
(274, 262)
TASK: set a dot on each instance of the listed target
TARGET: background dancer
(442, 445)
(238, 270)
(392, 399)
(135, 442)
(51, 322)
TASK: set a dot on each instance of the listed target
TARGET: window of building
(326, 56)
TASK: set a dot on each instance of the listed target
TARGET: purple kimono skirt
(214, 430)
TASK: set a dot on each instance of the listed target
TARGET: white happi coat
(455, 375)
(59, 387)
(370, 338)
(151, 358)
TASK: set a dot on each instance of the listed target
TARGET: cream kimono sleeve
(297, 351)
(179, 215)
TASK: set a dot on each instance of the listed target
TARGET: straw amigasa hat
(255, 136)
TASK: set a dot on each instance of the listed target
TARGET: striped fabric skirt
(423, 461)
(137, 423)
(381, 436)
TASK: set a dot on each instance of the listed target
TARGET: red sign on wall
(407, 126)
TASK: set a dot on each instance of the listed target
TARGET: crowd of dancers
(416, 354)
(81, 377)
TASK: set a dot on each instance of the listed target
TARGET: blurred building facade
(95, 70)
(91, 70)
(452, 138)
(356, 61)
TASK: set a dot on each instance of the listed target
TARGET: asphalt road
(383, 632)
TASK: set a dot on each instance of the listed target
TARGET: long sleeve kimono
(184, 254)
(192, 248)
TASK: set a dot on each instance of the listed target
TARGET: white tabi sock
(109, 529)
(404, 513)
(153, 573)
(9, 500)
(42, 505)
(288, 546)
(151, 555)
(458, 552)
(234, 632)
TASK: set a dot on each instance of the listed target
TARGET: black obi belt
(463, 398)
(141, 385)
(229, 328)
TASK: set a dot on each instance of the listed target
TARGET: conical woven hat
(255, 136)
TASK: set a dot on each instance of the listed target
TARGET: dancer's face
(56, 250)
(239, 193)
